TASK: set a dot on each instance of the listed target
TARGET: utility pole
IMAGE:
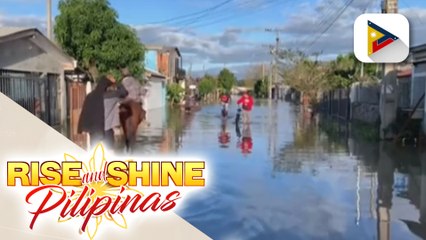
(269, 71)
(263, 72)
(277, 45)
(389, 6)
(49, 19)
(388, 100)
(275, 52)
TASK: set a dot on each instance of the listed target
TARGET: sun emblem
(90, 171)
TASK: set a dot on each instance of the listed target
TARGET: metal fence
(35, 93)
(336, 103)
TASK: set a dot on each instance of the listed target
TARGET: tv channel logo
(381, 38)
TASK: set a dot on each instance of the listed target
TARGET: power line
(193, 14)
(199, 16)
(331, 24)
(232, 15)
(323, 21)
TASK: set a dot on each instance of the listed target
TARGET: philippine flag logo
(381, 38)
(378, 38)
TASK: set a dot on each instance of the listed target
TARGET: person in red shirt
(247, 102)
(225, 99)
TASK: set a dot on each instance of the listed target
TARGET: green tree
(207, 85)
(175, 93)
(89, 31)
(342, 72)
(346, 69)
(261, 89)
(307, 77)
(226, 79)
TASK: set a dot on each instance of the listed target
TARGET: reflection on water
(224, 136)
(298, 181)
(245, 141)
(163, 132)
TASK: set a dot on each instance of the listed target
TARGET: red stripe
(377, 47)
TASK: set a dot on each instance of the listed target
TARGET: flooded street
(286, 178)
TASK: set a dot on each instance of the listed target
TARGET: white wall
(156, 98)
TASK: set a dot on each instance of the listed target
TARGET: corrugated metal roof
(6, 31)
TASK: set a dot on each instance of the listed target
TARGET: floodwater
(283, 177)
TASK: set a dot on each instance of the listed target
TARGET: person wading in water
(225, 99)
(92, 117)
(247, 102)
(112, 97)
(131, 111)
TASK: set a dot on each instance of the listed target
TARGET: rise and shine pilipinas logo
(99, 190)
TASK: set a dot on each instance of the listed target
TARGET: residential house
(418, 56)
(154, 99)
(169, 63)
(156, 82)
(32, 73)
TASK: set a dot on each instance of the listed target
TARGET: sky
(212, 34)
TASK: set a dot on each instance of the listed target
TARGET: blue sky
(233, 33)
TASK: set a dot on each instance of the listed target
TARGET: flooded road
(286, 178)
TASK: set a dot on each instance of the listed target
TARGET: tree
(342, 72)
(261, 89)
(89, 31)
(307, 77)
(207, 85)
(175, 93)
(226, 79)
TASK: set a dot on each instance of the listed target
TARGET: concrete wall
(365, 103)
(23, 55)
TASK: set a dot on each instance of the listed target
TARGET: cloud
(417, 20)
(225, 48)
(304, 29)
(301, 31)
(307, 33)
(22, 21)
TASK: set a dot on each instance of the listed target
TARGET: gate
(76, 94)
(36, 93)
